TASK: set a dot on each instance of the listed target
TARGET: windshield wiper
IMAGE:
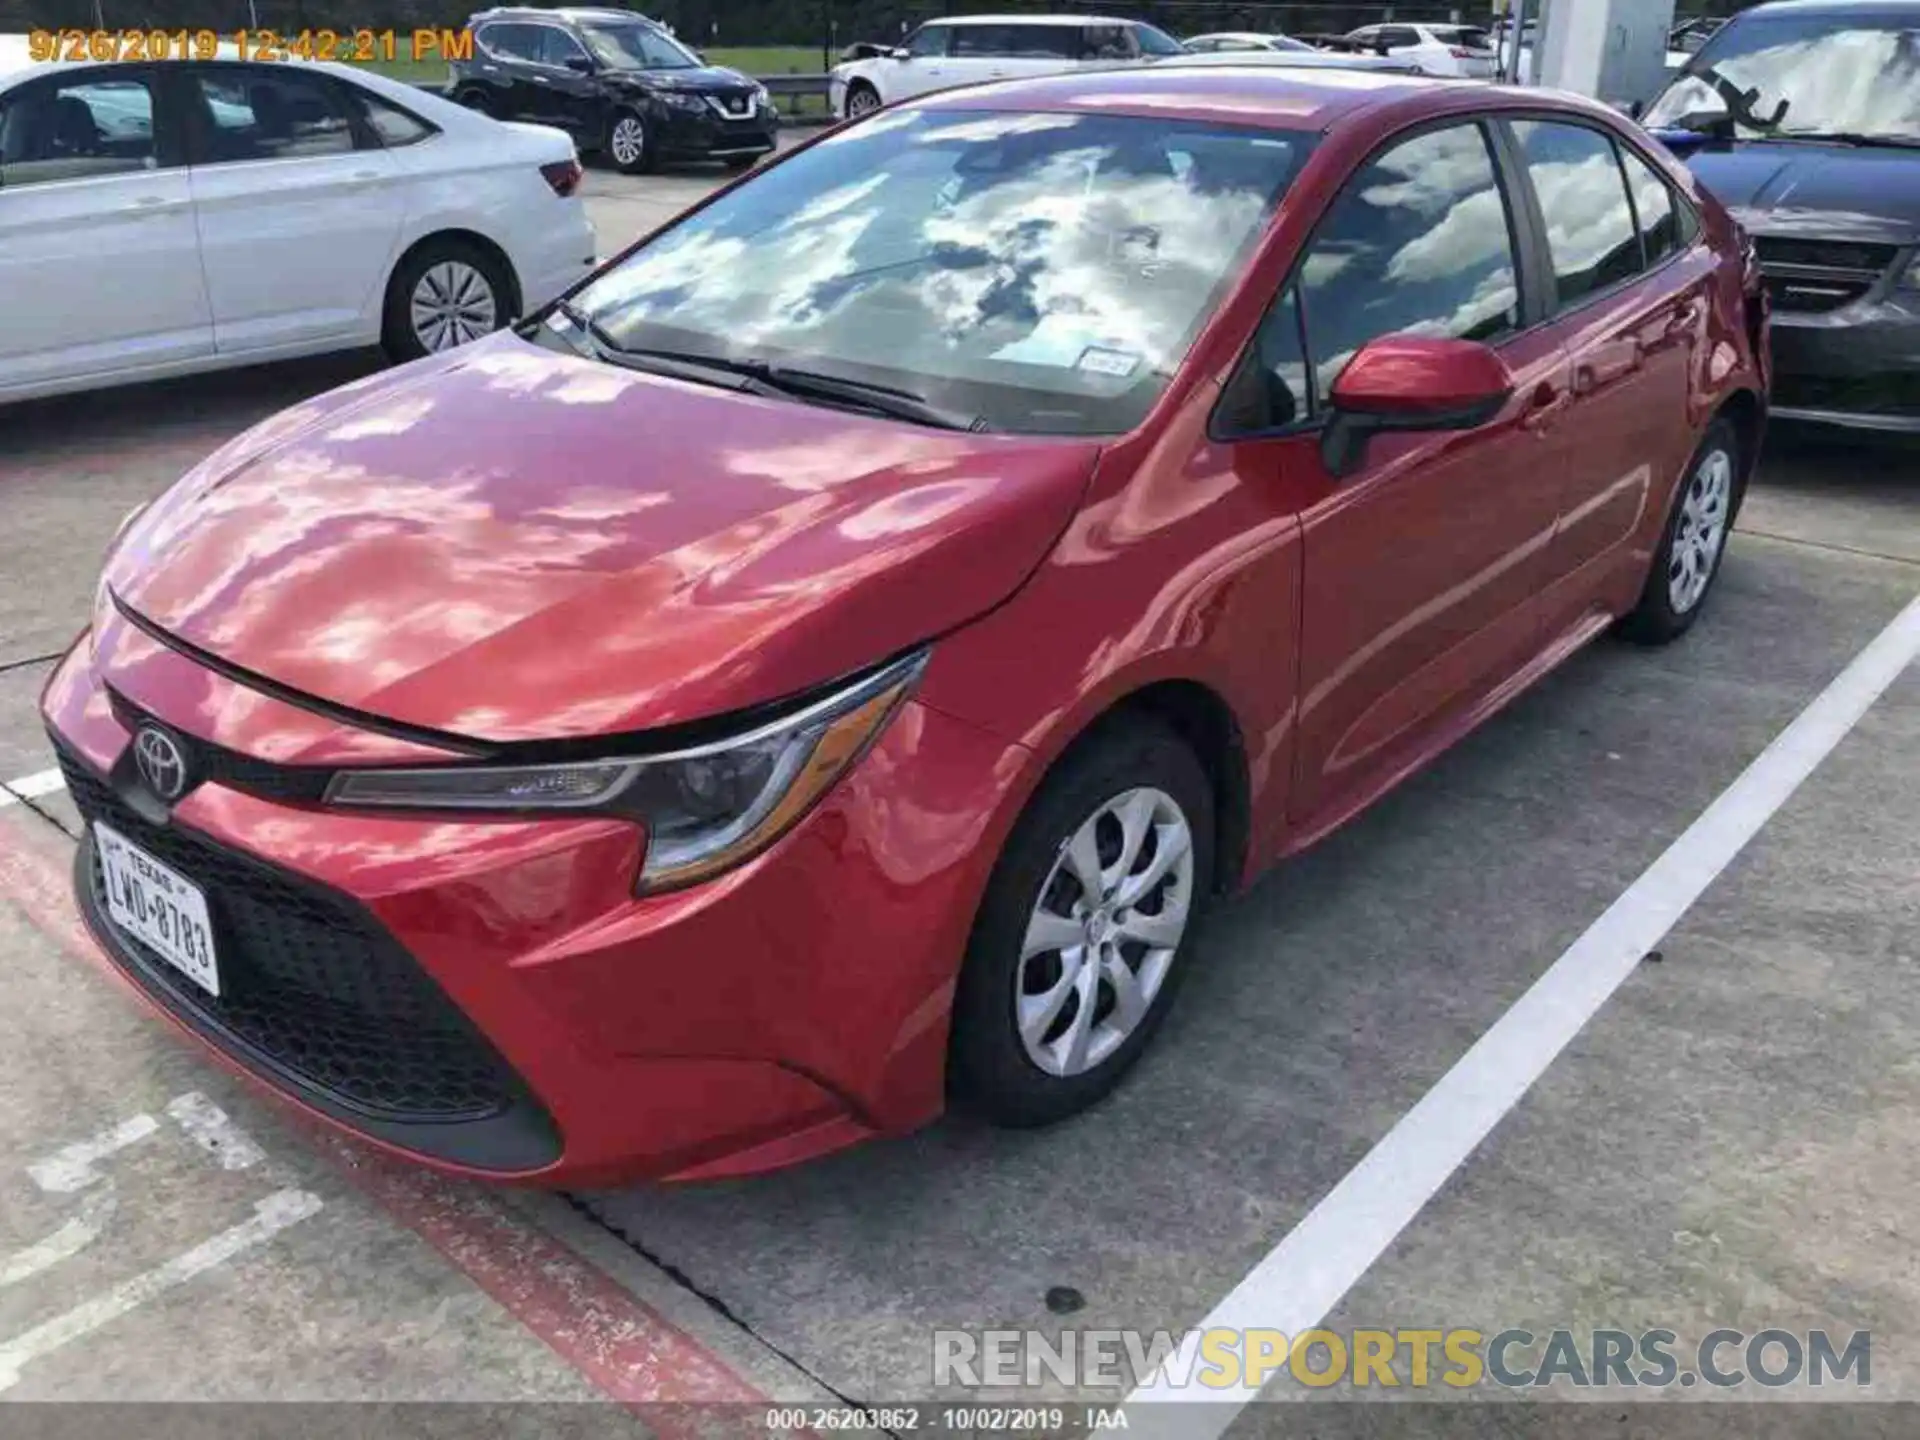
(767, 378)
(1852, 137)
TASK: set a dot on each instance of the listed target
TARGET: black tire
(624, 158)
(869, 98)
(397, 334)
(989, 1069)
(1658, 619)
(476, 98)
(739, 162)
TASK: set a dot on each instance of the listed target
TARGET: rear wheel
(629, 145)
(445, 293)
(1687, 560)
(475, 98)
(1084, 934)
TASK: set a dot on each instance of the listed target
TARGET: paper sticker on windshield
(1097, 360)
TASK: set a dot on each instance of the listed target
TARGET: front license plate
(159, 907)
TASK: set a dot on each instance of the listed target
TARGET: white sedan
(158, 219)
(1231, 41)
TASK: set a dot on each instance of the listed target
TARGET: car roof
(565, 12)
(1269, 96)
(1892, 9)
(1032, 20)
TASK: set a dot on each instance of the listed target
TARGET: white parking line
(73, 1168)
(1300, 1281)
(270, 1217)
(31, 787)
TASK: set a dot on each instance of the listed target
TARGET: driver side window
(929, 42)
(1419, 242)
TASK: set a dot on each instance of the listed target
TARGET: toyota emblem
(161, 762)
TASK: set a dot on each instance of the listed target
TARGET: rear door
(1629, 305)
(299, 208)
(99, 257)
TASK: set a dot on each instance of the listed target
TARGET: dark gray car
(1804, 118)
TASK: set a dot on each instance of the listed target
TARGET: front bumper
(706, 135)
(791, 1007)
(1857, 366)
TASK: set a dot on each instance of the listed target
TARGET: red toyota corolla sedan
(828, 662)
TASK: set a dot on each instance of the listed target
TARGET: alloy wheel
(452, 304)
(1701, 531)
(628, 141)
(862, 102)
(1104, 932)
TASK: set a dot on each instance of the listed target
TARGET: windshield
(637, 47)
(1156, 42)
(1045, 272)
(1834, 76)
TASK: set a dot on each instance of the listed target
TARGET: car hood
(509, 544)
(1832, 191)
(701, 78)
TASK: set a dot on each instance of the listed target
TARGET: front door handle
(1547, 401)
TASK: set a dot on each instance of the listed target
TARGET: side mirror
(579, 64)
(698, 55)
(1410, 382)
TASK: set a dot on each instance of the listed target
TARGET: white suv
(1456, 50)
(965, 49)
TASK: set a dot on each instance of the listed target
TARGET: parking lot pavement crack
(1829, 545)
(713, 1302)
(29, 662)
(32, 804)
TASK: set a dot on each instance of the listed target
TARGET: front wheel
(1687, 559)
(628, 144)
(862, 99)
(1086, 927)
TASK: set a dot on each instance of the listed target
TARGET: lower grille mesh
(311, 981)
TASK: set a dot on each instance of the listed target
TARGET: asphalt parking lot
(1732, 1141)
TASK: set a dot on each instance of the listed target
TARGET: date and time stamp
(968, 1420)
(352, 47)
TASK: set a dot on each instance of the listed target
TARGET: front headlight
(705, 809)
(762, 97)
(681, 100)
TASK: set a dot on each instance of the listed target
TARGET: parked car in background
(1804, 118)
(157, 219)
(832, 661)
(966, 49)
(1464, 51)
(1236, 40)
(619, 83)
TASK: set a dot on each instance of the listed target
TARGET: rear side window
(513, 42)
(1394, 36)
(1583, 196)
(77, 129)
(271, 114)
(1655, 209)
(394, 126)
(1043, 42)
(1419, 242)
